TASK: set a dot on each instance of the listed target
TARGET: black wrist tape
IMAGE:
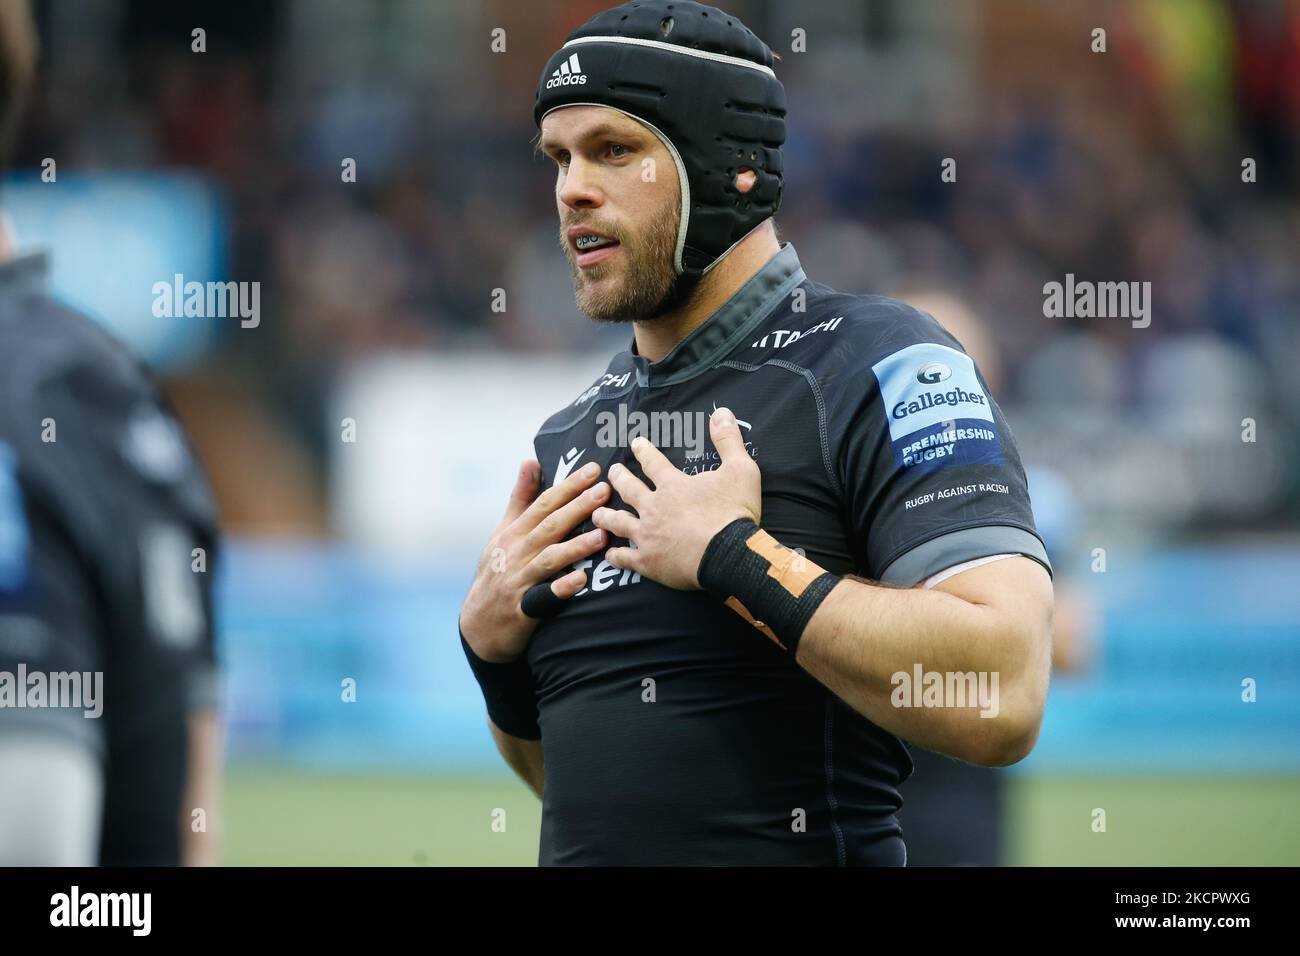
(774, 588)
(508, 691)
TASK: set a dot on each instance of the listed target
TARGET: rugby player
(107, 547)
(700, 654)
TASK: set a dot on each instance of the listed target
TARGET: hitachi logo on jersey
(780, 338)
(928, 400)
(618, 381)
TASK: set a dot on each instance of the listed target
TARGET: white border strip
(675, 48)
(957, 569)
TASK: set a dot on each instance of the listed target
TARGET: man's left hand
(676, 520)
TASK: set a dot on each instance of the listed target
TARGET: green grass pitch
(280, 817)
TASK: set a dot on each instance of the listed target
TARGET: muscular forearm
(865, 643)
(523, 756)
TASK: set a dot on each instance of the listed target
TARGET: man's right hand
(528, 547)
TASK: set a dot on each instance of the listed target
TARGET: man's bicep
(1017, 593)
(1017, 584)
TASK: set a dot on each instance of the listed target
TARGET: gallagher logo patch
(937, 410)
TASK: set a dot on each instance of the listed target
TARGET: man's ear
(746, 179)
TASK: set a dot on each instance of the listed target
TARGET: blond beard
(647, 276)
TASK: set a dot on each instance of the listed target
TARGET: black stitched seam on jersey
(554, 429)
(953, 529)
(741, 333)
(830, 781)
(816, 389)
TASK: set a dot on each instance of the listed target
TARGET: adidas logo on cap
(569, 74)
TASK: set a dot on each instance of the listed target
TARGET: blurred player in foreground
(728, 658)
(108, 731)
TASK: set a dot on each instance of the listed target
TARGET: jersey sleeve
(928, 466)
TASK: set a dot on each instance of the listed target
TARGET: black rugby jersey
(101, 507)
(673, 731)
